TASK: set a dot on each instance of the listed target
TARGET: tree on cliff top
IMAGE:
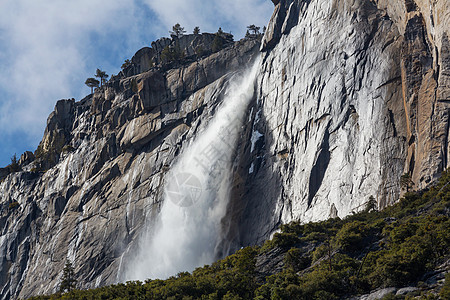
(197, 30)
(68, 281)
(14, 166)
(92, 83)
(102, 75)
(126, 64)
(253, 29)
(177, 31)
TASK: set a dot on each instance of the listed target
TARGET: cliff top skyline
(47, 50)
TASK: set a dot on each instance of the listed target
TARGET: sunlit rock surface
(112, 150)
(351, 94)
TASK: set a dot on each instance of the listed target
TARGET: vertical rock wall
(352, 94)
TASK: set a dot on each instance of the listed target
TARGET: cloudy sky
(49, 47)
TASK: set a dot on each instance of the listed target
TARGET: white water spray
(197, 193)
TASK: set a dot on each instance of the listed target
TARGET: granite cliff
(350, 95)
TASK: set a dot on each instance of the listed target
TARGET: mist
(197, 190)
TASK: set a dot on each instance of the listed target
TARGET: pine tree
(126, 64)
(102, 75)
(92, 83)
(197, 30)
(14, 166)
(254, 30)
(68, 281)
(406, 181)
(220, 32)
(177, 31)
(371, 204)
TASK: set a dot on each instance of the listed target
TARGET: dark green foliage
(253, 29)
(445, 292)
(92, 83)
(102, 75)
(68, 281)
(14, 165)
(333, 259)
(371, 204)
(217, 43)
(199, 51)
(126, 64)
(406, 181)
(351, 236)
(197, 30)
(296, 260)
(177, 31)
(172, 53)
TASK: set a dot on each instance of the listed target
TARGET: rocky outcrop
(95, 182)
(351, 94)
(191, 45)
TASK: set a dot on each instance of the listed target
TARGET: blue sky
(49, 47)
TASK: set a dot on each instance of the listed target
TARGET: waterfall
(196, 192)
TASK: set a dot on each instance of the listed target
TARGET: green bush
(285, 240)
(445, 291)
(351, 236)
(296, 260)
(368, 251)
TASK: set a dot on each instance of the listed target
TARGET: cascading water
(197, 193)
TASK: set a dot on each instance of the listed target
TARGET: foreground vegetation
(334, 259)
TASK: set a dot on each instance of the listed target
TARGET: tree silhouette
(217, 43)
(92, 83)
(126, 64)
(253, 29)
(68, 281)
(177, 31)
(14, 166)
(102, 75)
(371, 204)
(406, 181)
(197, 30)
(220, 32)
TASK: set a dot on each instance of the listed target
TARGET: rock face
(351, 94)
(96, 180)
(191, 45)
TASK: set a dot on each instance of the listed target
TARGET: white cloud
(47, 51)
(231, 15)
(49, 47)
